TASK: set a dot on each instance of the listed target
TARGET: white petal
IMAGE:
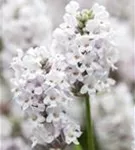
(84, 89)
(38, 90)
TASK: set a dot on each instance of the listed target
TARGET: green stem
(89, 126)
(77, 147)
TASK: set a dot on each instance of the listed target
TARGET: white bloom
(41, 89)
(53, 96)
(72, 132)
(54, 114)
(87, 46)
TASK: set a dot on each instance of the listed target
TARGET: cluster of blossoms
(78, 63)
(85, 39)
(121, 15)
(113, 117)
(41, 89)
(22, 27)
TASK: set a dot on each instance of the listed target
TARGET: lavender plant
(76, 66)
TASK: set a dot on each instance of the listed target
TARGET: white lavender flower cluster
(85, 39)
(78, 62)
(41, 89)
